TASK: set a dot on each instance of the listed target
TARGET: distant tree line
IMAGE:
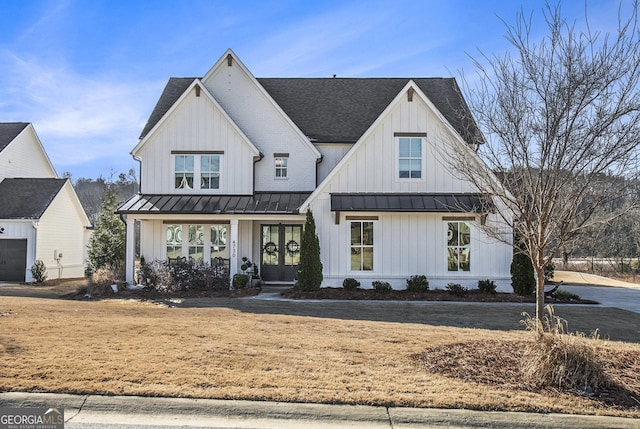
(91, 191)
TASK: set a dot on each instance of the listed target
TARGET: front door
(280, 252)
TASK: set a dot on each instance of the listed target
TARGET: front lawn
(132, 347)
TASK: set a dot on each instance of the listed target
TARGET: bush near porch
(182, 275)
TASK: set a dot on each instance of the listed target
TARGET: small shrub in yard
(350, 284)
(382, 287)
(101, 280)
(487, 286)
(418, 283)
(549, 270)
(39, 271)
(562, 360)
(565, 294)
(522, 274)
(240, 281)
(457, 289)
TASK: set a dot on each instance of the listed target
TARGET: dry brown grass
(138, 348)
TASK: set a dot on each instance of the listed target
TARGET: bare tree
(560, 115)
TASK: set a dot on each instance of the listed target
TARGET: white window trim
(197, 173)
(423, 164)
(185, 242)
(285, 168)
(468, 221)
(376, 246)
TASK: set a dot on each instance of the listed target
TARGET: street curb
(210, 412)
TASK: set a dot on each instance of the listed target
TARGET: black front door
(280, 252)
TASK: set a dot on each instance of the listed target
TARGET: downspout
(318, 161)
(255, 161)
(35, 225)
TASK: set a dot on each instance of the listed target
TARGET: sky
(87, 73)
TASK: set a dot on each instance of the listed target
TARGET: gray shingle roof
(27, 198)
(339, 110)
(9, 131)
(259, 203)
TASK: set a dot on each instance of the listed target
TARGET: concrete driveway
(609, 296)
(608, 292)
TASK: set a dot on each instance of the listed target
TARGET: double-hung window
(458, 246)
(210, 172)
(195, 171)
(281, 165)
(361, 245)
(410, 157)
(184, 170)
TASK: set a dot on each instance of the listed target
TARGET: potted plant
(251, 270)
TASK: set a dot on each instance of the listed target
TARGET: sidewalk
(93, 411)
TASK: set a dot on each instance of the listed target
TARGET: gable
(196, 123)
(22, 153)
(371, 166)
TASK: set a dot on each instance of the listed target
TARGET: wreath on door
(293, 247)
(270, 248)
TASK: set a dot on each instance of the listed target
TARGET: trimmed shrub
(240, 281)
(309, 273)
(457, 289)
(182, 275)
(350, 284)
(487, 286)
(418, 283)
(39, 271)
(381, 287)
(564, 294)
(522, 277)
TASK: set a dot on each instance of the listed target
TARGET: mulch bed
(154, 295)
(497, 363)
(473, 295)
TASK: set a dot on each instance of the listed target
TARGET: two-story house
(40, 214)
(230, 163)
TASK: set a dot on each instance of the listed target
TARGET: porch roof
(426, 203)
(258, 203)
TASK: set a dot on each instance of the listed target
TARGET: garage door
(13, 260)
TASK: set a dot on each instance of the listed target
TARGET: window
(361, 246)
(281, 167)
(210, 172)
(184, 171)
(197, 171)
(458, 246)
(218, 242)
(410, 157)
(196, 243)
(204, 243)
(174, 241)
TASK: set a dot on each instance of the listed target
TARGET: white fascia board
(203, 89)
(458, 138)
(32, 129)
(221, 63)
(356, 146)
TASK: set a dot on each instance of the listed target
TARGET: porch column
(233, 259)
(130, 251)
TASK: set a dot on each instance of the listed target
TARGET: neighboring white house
(231, 163)
(40, 214)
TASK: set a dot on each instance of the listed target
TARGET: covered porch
(265, 228)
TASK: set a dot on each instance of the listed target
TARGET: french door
(280, 252)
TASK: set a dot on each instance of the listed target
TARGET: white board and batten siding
(196, 125)
(62, 230)
(404, 243)
(266, 126)
(25, 157)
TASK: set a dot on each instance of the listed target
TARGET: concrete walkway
(132, 411)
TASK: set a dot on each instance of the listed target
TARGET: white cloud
(80, 119)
